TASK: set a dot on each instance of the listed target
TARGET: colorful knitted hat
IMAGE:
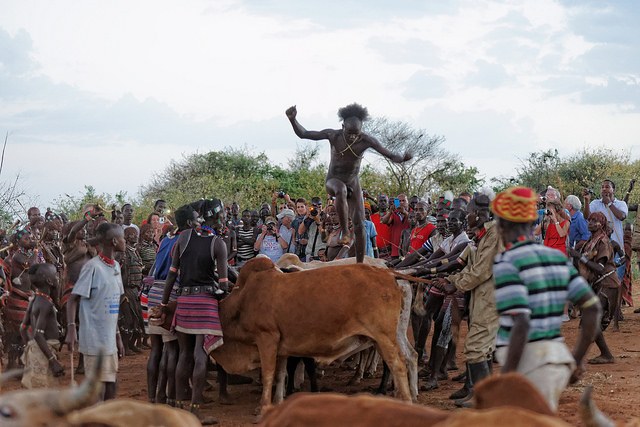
(516, 204)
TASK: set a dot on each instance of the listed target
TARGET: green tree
(431, 170)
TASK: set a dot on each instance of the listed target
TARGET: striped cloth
(198, 315)
(153, 298)
(535, 280)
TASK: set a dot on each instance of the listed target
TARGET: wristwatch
(609, 204)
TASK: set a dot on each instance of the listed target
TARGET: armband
(583, 259)
(591, 301)
(172, 269)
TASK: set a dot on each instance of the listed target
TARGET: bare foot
(601, 360)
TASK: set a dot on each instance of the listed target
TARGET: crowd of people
(115, 287)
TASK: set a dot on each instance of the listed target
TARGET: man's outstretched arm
(301, 131)
(394, 157)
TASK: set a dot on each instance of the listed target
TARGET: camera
(547, 212)
(543, 199)
(270, 227)
(313, 211)
(281, 194)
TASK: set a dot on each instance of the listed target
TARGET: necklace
(349, 145)
(105, 259)
(416, 231)
(45, 296)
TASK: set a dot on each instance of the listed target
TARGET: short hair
(247, 211)
(155, 205)
(574, 201)
(613, 184)
(183, 215)
(301, 200)
(316, 200)
(555, 190)
(353, 110)
(125, 205)
(106, 230)
(130, 230)
(144, 228)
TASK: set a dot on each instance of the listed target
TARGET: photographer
(270, 242)
(397, 218)
(613, 209)
(301, 239)
(312, 227)
(556, 223)
(285, 203)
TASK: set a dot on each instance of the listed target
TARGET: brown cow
(368, 359)
(326, 314)
(508, 399)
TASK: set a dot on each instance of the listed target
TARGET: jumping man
(347, 148)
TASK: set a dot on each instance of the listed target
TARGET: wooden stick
(73, 380)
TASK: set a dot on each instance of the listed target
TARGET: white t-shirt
(100, 287)
(618, 231)
(450, 242)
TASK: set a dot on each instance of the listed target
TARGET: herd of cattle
(324, 311)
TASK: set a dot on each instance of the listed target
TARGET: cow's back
(331, 409)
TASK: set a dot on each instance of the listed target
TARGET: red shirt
(419, 235)
(397, 226)
(553, 240)
(383, 238)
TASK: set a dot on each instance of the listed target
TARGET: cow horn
(589, 412)
(84, 395)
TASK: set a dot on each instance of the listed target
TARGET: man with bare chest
(347, 149)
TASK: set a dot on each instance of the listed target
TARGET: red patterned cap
(516, 204)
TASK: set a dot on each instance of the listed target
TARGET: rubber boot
(477, 371)
(466, 388)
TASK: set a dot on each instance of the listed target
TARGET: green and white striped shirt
(537, 280)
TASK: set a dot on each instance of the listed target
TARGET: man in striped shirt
(533, 283)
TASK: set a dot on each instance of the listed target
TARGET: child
(130, 321)
(39, 331)
(97, 292)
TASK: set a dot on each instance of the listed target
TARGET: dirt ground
(615, 385)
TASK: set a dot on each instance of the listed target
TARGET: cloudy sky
(107, 93)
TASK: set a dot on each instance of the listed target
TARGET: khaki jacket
(477, 277)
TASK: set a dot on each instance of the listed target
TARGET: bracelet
(434, 270)
(224, 279)
(52, 357)
(71, 324)
(88, 217)
(583, 259)
(444, 261)
(557, 222)
(591, 301)
(163, 304)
